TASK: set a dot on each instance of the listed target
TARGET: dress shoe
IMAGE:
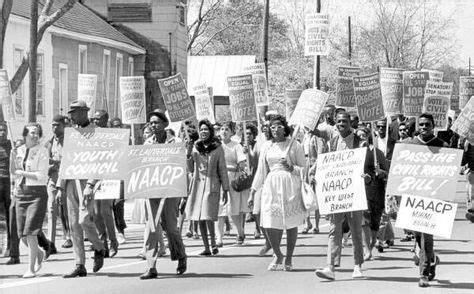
(67, 244)
(79, 271)
(182, 266)
(215, 250)
(113, 252)
(325, 273)
(149, 274)
(98, 260)
(423, 282)
(432, 271)
(50, 250)
(205, 253)
(13, 260)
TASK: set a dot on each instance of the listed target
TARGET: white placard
(108, 189)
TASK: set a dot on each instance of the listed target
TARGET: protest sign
(87, 89)
(414, 83)
(464, 124)
(241, 98)
(434, 75)
(132, 99)
(309, 108)
(94, 153)
(466, 90)
(156, 171)
(368, 97)
(176, 98)
(345, 86)
(340, 186)
(108, 189)
(424, 171)
(454, 103)
(202, 100)
(391, 86)
(6, 98)
(436, 102)
(316, 33)
(260, 88)
(426, 215)
(291, 99)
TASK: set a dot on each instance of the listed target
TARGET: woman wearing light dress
(237, 206)
(279, 173)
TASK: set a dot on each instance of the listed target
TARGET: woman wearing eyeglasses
(279, 172)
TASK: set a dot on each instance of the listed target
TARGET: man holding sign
(353, 210)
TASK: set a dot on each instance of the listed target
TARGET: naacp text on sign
(340, 186)
(156, 171)
(427, 215)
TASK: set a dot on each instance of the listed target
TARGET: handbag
(308, 195)
(242, 182)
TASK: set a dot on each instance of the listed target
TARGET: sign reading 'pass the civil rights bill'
(156, 171)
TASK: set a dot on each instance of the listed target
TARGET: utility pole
(171, 59)
(33, 58)
(264, 44)
(350, 40)
(469, 65)
(317, 78)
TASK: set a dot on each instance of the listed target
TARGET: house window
(105, 80)
(63, 88)
(182, 14)
(40, 84)
(20, 92)
(82, 59)
(131, 67)
(131, 11)
(118, 74)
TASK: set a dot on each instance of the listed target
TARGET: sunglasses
(424, 124)
(402, 130)
(275, 128)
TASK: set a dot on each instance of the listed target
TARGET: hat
(100, 114)
(161, 114)
(58, 118)
(79, 104)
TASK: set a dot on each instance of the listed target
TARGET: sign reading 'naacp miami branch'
(241, 98)
(309, 108)
(176, 98)
(345, 86)
(368, 97)
(424, 171)
(94, 153)
(340, 186)
(156, 171)
(437, 98)
(391, 86)
(427, 215)
(316, 41)
(132, 98)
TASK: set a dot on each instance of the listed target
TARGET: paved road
(240, 270)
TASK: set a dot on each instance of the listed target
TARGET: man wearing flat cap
(169, 215)
(80, 205)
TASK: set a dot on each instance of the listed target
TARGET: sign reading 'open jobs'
(156, 171)
(94, 153)
(427, 215)
(309, 108)
(437, 98)
(340, 186)
(368, 97)
(391, 86)
(176, 98)
(132, 97)
(424, 171)
(345, 86)
(241, 98)
(414, 83)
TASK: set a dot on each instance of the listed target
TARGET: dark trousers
(169, 222)
(426, 252)
(6, 202)
(119, 216)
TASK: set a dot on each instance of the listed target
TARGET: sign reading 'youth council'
(156, 171)
(424, 171)
(94, 153)
(340, 186)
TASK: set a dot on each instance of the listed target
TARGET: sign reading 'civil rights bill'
(94, 153)
(340, 186)
(176, 98)
(241, 98)
(424, 171)
(156, 171)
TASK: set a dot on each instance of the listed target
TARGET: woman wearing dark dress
(30, 168)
